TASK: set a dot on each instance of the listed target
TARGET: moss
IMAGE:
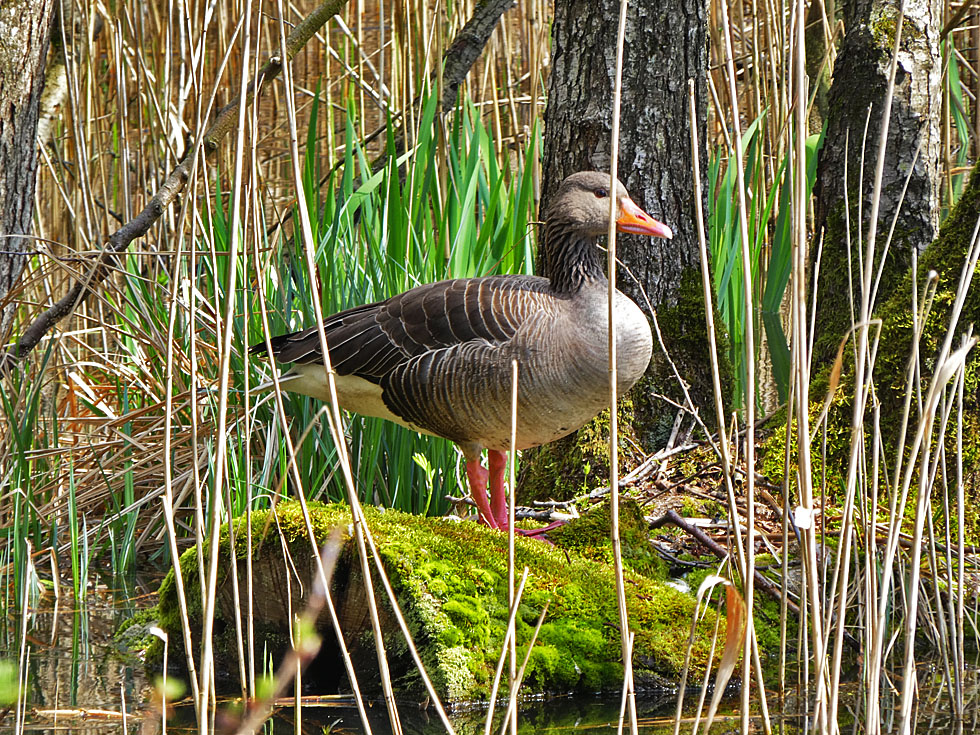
(589, 536)
(946, 257)
(134, 636)
(545, 663)
(451, 582)
(770, 454)
(771, 451)
(713, 508)
(695, 577)
(570, 657)
(689, 508)
(458, 675)
(471, 622)
(882, 24)
(682, 325)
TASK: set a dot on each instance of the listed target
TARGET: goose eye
(601, 193)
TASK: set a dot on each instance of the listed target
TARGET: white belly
(354, 393)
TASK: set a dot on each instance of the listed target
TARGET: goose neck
(571, 260)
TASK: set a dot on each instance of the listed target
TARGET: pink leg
(477, 476)
(493, 513)
(498, 492)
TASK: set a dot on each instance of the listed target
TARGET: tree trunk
(26, 28)
(946, 257)
(665, 46)
(912, 153)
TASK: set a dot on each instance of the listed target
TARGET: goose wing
(371, 341)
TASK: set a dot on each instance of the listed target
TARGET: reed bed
(136, 428)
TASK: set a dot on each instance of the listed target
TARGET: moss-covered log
(451, 582)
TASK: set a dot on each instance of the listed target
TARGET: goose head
(582, 205)
(576, 217)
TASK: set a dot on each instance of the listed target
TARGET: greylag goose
(437, 358)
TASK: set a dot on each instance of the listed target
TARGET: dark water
(80, 679)
(77, 677)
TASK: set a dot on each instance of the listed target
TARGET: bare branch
(120, 240)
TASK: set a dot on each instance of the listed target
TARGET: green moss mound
(450, 579)
(588, 537)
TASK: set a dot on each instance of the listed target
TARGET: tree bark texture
(25, 30)
(665, 45)
(857, 100)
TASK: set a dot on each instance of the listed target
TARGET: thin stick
(860, 365)
(512, 632)
(503, 653)
(221, 492)
(627, 685)
(747, 570)
(724, 447)
(613, 422)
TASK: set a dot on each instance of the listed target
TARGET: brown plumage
(437, 358)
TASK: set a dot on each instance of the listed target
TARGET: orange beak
(634, 220)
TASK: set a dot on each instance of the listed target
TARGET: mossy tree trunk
(665, 45)
(947, 257)
(846, 170)
(450, 581)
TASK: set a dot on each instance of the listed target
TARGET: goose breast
(463, 392)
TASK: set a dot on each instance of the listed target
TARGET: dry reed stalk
(748, 572)
(624, 628)
(334, 419)
(511, 554)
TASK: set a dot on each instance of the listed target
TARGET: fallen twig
(763, 583)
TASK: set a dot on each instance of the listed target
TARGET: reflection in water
(80, 680)
(593, 714)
